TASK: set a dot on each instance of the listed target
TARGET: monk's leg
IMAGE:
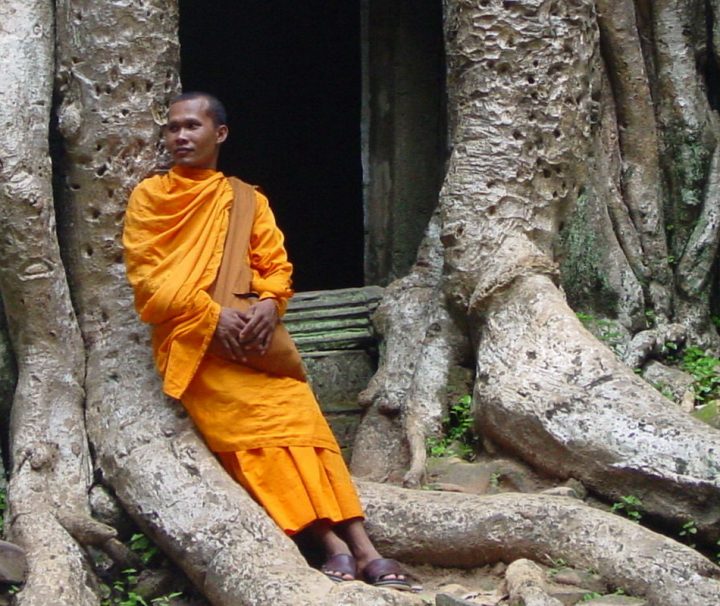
(342, 568)
(354, 533)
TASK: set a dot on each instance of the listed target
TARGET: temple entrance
(336, 110)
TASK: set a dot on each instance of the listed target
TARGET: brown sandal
(338, 565)
(376, 571)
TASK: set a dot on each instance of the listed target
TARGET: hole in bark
(491, 64)
(531, 117)
(98, 146)
(490, 184)
(531, 355)
(148, 86)
(75, 60)
(124, 112)
(74, 186)
(104, 316)
(119, 258)
(546, 173)
(98, 90)
(78, 16)
(89, 251)
(110, 193)
(485, 3)
(555, 194)
(94, 213)
(503, 68)
(491, 210)
(517, 134)
(121, 59)
(531, 79)
(108, 89)
(534, 96)
(101, 170)
(557, 133)
(536, 63)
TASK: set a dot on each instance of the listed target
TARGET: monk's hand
(258, 331)
(226, 341)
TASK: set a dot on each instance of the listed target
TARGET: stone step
(325, 320)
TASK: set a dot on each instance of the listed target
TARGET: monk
(266, 430)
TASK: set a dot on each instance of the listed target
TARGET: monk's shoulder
(144, 197)
(150, 184)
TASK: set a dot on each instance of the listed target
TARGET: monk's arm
(268, 258)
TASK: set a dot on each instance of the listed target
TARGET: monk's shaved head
(216, 110)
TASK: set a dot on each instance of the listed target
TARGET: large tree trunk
(524, 81)
(50, 463)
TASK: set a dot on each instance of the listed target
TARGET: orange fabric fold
(175, 228)
(296, 485)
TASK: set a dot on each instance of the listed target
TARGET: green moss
(687, 163)
(582, 275)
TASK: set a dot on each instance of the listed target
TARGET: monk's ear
(222, 133)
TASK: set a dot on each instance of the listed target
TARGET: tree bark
(51, 468)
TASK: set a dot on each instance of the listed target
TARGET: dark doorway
(290, 75)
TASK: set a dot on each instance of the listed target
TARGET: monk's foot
(340, 567)
(384, 572)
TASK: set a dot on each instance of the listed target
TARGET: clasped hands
(241, 333)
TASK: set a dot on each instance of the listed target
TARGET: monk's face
(191, 136)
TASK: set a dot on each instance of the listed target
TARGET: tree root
(470, 531)
(548, 391)
(421, 343)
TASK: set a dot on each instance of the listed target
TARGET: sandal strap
(381, 567)
(342, 562)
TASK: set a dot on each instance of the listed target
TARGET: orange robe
(268, 431)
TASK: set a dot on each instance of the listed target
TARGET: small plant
(603, 329)
(121, 593)
(495, 479)
(556, 565)
(591, 596)
(457, 431)
(717, 555)
(630, 505)
(144, 547)
(688, 529)
(166, 600)
(704, 368)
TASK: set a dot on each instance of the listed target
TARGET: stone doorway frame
(404, 129)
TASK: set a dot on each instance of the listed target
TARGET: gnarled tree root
(451, 529)
(550, 392)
